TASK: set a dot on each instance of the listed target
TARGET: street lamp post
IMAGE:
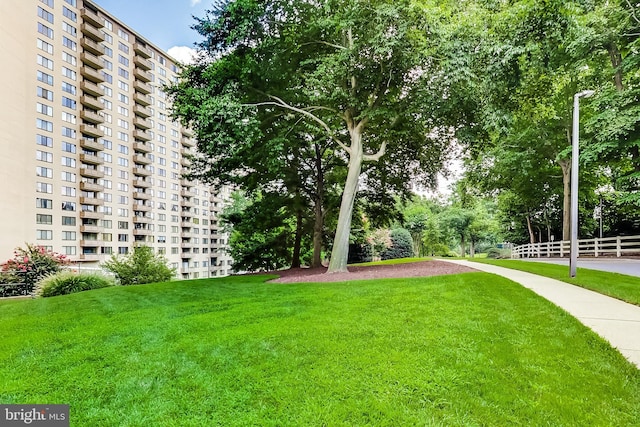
(575, 152)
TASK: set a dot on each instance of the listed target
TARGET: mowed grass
(462, 350)
(620, 286)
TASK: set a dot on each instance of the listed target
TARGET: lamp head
(585, 94)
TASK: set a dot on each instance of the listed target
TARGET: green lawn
(469, 349)
(621, 286)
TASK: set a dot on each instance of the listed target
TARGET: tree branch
(280, 103)
(633, 15)
(375, 157)
(337, 46)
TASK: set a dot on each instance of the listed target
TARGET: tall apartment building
(91, 161)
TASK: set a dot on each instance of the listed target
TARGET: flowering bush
(31, 264)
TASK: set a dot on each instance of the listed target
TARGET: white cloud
(195, 2)
(183, 54)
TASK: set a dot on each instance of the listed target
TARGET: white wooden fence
(618, 246)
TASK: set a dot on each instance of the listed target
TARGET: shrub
(140, 267)
(498, 253)
(359, 253)
(31, 264)
(69, 282)
(401, 245)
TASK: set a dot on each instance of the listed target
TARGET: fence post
(595, 247)
(618, 247)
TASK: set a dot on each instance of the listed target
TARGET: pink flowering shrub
(31, 264)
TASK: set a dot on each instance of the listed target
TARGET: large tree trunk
(340, 251)
(532, 236)
(318, 224)
(462, 248)
(616, 63)
(295, 258)
(472, 249)
(565, 165)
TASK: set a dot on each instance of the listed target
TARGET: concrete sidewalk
(616, 321)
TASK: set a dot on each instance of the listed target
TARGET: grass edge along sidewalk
(466, 349)
(615, 285)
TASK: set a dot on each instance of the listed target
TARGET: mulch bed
(413, 269)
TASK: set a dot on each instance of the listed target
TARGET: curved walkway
(612, 265)
(616, 321)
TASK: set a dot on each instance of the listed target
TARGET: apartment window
(107, 197)
(68, 102)
(69, 73)
(71, 2)
(108, 51)
(44, 235)
(69, 118)
(123, 175)
(108, 64)
(107, 237)
(107, 90)
(69, 44)
(44, 219)
(43, 187)
(45, 62)
(123, 250)
(69, 88)
(69, 14)
(47, 110)
(45, 14)
(44, 125)
(108, 38)
(123, 47)
(47, 2)
(123, 98)
(44, 203)
(123, 60)
(45, 78)
(68, 132)
(69, 29)
(67, 57)
(123, 200)
(68, 147)
(123, 34)
(123, 73)
(45, 141)
(123, 237)
(69, 250)
(122, 85)
(68, 161)
(69, 206)
(123, 111)
(45, 31)
(123, 225)
(68, 235)
(123, 136)
(69, 220)
(108, 158)
(42, 45)
(106, 223)
(123, 162)
(68, 176)
(68, 191)
(44, 172)
(107, 210)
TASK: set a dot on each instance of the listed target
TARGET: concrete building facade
(91, 160)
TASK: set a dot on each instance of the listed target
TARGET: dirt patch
(413, 269)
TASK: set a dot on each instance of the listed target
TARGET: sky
(165, 23)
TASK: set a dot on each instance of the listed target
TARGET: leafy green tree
(370, 74)
(139, 267)
(401, 245)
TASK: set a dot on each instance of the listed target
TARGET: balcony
(187, 132)
(142, 232)
(91, 46)
(141, 111)
(91, 131)
(142, 86)
(186, 235)
(143, 75)
(92, 117)
(185, 162)
(91, 74)
(186, 224)
(91, 88)
(187, 204)
(141, 123)
(91, 102)
(139, 195)
(90, 16)
(141, 147)
(91, 159)
(139, 219)
(91, 244)
(142, 99)
(187, 193)
(91, 32)
(90, 257)
(186, 183)
(92, 60)
(141, 50)
(187, 245)
(141, 159)
(140, 207)
(141, 135)
(91, 173)
(91, 229)
(91, 201)
(141, 171)
(91, 145)
(187, 142)
(91, 186)
(188, 255)
(141, 62)
(141, 183)
(90, 214)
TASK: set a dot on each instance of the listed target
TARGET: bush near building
(140, 267)
(69, 282)
(31, 264)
